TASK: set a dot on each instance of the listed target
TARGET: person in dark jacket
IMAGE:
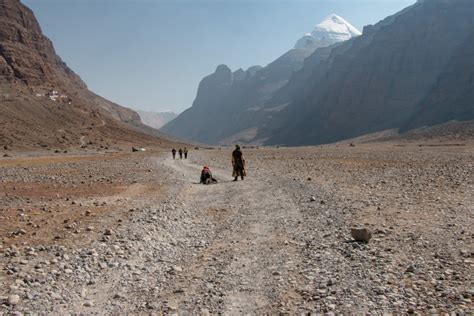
(185, 153)
(206, 176)
(180, 151)
(173, 152)
(238, 163)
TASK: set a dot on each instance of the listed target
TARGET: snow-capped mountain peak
(331, 30)
(335, 24)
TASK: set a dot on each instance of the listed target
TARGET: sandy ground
(136, 233)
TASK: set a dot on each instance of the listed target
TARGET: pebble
(13, 299)
(361, 234)
(88, 304)
(108, 232)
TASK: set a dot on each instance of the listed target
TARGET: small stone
(88, 303)
(361, 234)
(118, 296)
(205, 312)
(312, 199)
(108, 232)
(13, 299)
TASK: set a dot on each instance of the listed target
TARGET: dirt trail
(253, 248)
(83, 137)
(82, 140)
(277, 242)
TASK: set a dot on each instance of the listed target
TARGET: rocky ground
(136, 233)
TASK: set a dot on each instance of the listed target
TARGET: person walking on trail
(185, 153)
(173, 152)
(238, 163)
(180, 153)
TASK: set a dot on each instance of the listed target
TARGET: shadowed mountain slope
(381, 79)
(234, 100)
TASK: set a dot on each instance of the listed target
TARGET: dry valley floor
(136, 233)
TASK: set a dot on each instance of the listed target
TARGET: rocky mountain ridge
(44, 103)
(380, 80)
(231, 98)
(411, 69)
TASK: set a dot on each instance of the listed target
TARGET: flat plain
(123, 232)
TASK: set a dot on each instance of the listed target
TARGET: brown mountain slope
(44, 103)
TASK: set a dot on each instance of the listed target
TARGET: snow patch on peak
(331, 30)
(336, 24)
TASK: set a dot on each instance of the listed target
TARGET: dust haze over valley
(359, 188)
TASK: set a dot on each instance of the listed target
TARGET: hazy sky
(151, 54)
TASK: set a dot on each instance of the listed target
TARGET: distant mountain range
(412, 69)
(43, 103)
(156, 119)
(232, 98)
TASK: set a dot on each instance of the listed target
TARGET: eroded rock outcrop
(27, 52)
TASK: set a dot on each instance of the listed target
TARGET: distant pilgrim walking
(238, 163)
(173, 152)
(180, 153)
(185, 153)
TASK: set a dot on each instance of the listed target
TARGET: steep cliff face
(27, 55)
(224, 99)
(43, 102)
(220, 100)
(214, 87)
(381, 77)
(452, 97)
(236, 101)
